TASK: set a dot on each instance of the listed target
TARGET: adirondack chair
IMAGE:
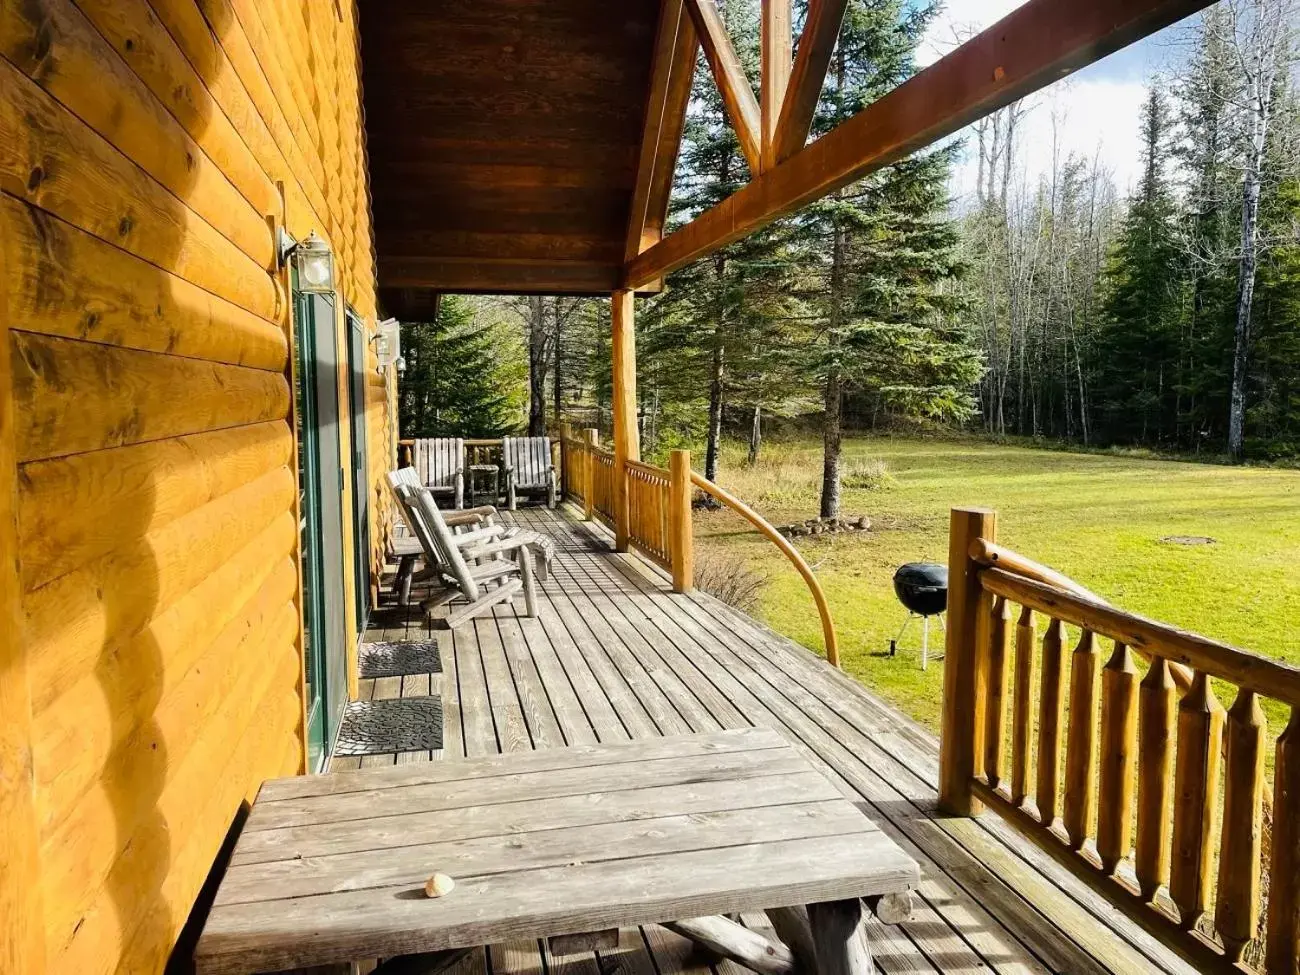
(528, 468)
(470, 564)
(407, 546)
(440, 464)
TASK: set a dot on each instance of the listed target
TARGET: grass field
(1098, 518)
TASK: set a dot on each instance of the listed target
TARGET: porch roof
(503, 138)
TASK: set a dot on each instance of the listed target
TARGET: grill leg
(925, 641)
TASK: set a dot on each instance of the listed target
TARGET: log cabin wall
(147, 457)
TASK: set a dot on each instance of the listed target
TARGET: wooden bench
(681, 830)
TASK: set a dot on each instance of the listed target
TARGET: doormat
(406, 724)
(399, 658)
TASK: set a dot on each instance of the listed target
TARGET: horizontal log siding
(147, 150)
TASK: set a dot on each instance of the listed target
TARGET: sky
(1096, 109)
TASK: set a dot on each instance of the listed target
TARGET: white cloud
(1094, 114)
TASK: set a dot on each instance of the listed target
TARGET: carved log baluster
(1236, 910)
(1196, 780)
(1283, 936)
(1081, 751)
(1119, 726)
(999, 633)
(1157, 699)
(1022, 727)
(1051, 711)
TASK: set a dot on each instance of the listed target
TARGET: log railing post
(961, 738)
(589, 472)
(627, 438)
(680, 538)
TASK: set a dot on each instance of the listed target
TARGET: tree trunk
(1245, 298)
(536, 366)
(755, 435)
(832, 426)
(557, 405)
(716, 370)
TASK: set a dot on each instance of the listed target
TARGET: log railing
(648, 498)
(656, 503)
(1107, 749)
(789, 551)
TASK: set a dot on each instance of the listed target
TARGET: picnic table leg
(840, 935)
(731, 940)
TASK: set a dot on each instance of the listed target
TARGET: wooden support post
(777, 44)
(961, 737)
(681, 541)
(892, 908)
(728, 939)
(791, 926)
(1280, 953)
(840, 934)
(627, 439)
(589, 473)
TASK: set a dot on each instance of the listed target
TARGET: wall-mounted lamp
(388, 345)
(313, 258)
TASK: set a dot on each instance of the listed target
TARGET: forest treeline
(1048, 305)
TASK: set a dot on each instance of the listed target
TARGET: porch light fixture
(315, 265)
(388, 345)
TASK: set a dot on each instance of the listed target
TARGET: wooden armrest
(494, 548)
(477, 536)
(469, 516)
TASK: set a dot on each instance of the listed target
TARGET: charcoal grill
(922, 588)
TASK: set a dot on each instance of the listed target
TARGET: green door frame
(357, 342)
(321, 479)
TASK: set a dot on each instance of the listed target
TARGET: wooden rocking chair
(440, 466)
(486, 565)
(528, 468)
(406, 546)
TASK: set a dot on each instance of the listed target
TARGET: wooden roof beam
(821, 30)
(676, 46)
(776, 51)
(1038, 43)
(733, 83)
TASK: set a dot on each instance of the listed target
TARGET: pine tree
(878, 256)
(723, 322)
(1137, 353)
(462, 377)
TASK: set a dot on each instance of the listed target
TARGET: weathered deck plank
(615, 654)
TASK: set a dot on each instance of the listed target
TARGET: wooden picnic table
(332, 868)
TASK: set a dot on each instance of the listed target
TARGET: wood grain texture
(135, 393)
(1081, 747)
(1283, 933)
(1119, 753)
(1157, 701)
(529, 875)
(1236, 909)
(71, 507)
(564, 108)
(1196, 787)
(821, 29)
(776, 43)
(53, 160)
(142, 146)
(733, 84)
(22, 941)
(964, 674)
(71, 284)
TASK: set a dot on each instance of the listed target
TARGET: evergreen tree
(877, 257)
(1138, 348)
(723, 323)
(462, 378)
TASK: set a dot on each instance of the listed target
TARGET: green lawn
(1098, 518)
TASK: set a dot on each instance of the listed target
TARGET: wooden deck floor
(615, 654)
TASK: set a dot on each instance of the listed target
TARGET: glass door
(321, 479)
(360, 467)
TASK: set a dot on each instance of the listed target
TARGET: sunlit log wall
(148, 148)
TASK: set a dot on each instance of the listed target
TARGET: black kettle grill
(922, 587)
